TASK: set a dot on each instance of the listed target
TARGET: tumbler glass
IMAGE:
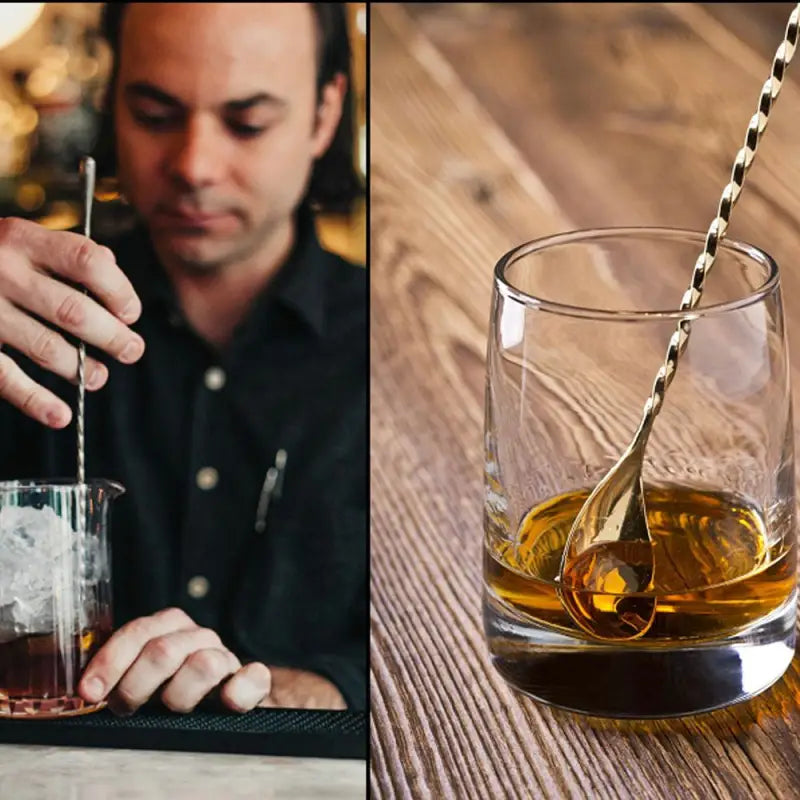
(55, 592)
(580, 324)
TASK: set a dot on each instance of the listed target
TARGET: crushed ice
(40, 557)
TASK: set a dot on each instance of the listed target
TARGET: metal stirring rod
(88, 172)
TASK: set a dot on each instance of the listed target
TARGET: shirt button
(198, 587)
(207, 478)
(214, 378)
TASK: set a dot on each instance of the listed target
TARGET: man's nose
(198, 157)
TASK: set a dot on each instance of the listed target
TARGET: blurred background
(54, 67)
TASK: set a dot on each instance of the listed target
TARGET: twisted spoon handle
(719, 226)
(88, 173)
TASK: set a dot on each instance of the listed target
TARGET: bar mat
(263, 731)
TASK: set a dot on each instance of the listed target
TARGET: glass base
(45, 708)
(638, 682)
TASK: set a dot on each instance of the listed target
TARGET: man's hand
(168, 654)
(34, 262)
(296, 688)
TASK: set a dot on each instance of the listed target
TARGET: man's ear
(329, 113)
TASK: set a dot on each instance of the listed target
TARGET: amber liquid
(39, 673)
(717, 571)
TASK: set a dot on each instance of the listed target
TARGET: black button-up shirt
(191, 433)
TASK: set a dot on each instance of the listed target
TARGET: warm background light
(16, 19)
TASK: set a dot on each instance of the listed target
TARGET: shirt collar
(299, 286)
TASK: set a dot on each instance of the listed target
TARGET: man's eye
(155, 121)
(244, 130)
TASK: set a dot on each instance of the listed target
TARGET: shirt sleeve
(346, 669)
(343, 660)
(347, 666)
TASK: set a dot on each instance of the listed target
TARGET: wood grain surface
(492, 124)
(33, 772)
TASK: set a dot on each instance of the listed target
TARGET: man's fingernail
(259, 684)
(131, 311)
(96, 379)
(56, 418)
(256, 689)
(94, 689)
(132, 351)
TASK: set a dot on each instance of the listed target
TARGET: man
(229, 125)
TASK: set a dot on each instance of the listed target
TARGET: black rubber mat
(268, 731)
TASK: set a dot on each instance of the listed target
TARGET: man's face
(217, 124)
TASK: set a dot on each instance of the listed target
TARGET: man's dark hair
(335, 184)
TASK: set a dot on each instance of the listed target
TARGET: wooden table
(491, 126)
(66, 773)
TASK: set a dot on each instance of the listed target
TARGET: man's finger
(29, 397)
(199, 674)
(117, 655)
(158, 661)
(248, 688)
(75, 257)
(77, 313)
(46, 347)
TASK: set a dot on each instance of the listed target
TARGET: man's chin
(195, 253)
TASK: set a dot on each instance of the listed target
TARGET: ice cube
(41, 557)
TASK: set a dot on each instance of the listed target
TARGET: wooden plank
(491, 124)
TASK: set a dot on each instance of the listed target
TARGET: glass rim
(756, 254)
(60, 483)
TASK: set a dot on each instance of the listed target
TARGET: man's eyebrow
(261, 98)
(144, 90)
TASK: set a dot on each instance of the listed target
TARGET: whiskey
(718, 568)
(602, 587)
(39, 673)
